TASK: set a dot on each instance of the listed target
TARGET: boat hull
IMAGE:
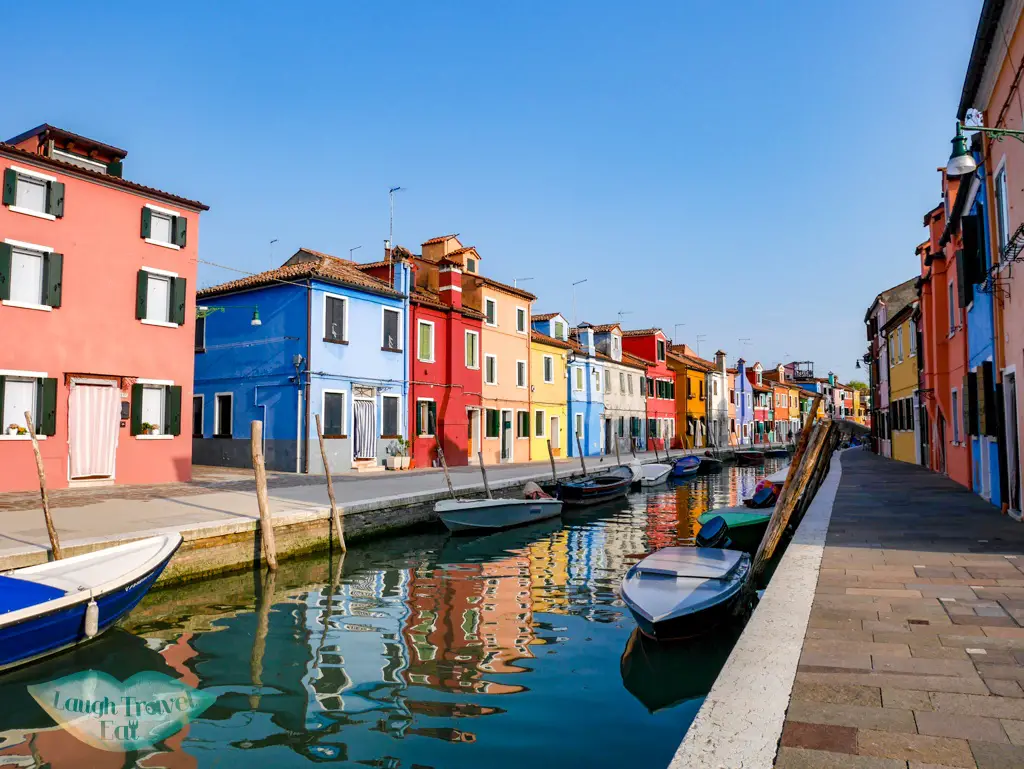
(471, 516)
(709, 465)
(777, 453)
(597, 489)
(750, 458)
(684, 467)
(689, 625)
(653, 475)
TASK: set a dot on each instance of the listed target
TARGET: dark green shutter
(172, 410)
(5, 270)
(178, 231)
(141, 289)
(971, 235)
(47, 411)
(990, 400)
(147, 222)
(53, 276)
(419, 418)
(10, 186)
(136, 426)
(3, 428)
(961, 281)
(55, 199)
(115, 168)
(432, 418)
(966, 408)
(178, 286)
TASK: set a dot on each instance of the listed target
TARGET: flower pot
(154, 431)
(406, 461)
(12, 430)
(394, 463)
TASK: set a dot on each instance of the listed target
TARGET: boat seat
(21, 593)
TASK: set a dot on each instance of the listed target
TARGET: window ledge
(335, 341)
(162, 323)
(473, 368)
(30, 212)
(160, 437)
(491, 384)
(389, 349)
(26, 305)
(425, 360)
(390, 437)
(223, 436)
(335, 437)
(162, 244)
(6, 437)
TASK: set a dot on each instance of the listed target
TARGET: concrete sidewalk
(914, 651)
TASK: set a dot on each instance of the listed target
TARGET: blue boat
(684, 467)
(55, 606)
(595, 489)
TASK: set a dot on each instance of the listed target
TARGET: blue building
(743, 400)
(315, 337)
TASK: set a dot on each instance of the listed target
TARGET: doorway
(1012, 446)
(364, 429)
(474, 434)
(554, 435)
(506, 435)
(94, 414)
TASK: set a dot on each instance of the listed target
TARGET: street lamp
(203, 311)
(961, 161)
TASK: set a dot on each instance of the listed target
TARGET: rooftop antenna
(620, 313)
(272, 250)
(578, 282)
(700, 338)
(354, 248)
(391, 231)
(515, 281)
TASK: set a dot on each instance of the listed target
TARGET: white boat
(491, 514)
(678, 592)
(779, 476)
(652, 474)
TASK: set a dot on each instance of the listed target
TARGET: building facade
(901, 336)
(625, 407)
(549, 367)
(650, 347)
(693, 376)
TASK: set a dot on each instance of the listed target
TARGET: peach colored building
(97, 304)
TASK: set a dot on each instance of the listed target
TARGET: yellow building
(691, 396)
(550, 418)
(902, 347)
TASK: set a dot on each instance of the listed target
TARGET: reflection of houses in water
(549, 573)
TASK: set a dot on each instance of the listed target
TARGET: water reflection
(421, 650)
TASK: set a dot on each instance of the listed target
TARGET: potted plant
(149, 428)
(398, 455)
(13, 428)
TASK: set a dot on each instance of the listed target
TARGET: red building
(762, 404)
(649, 348)
(97, 307)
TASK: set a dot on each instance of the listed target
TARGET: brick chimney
(720, 362)
(449, 283)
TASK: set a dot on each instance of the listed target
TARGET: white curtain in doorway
(365, 429)
(93, 421)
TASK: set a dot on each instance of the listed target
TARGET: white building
(625, 406)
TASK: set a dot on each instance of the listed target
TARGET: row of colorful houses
(108, 343)
(945, 345)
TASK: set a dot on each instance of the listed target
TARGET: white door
(506, 436)
(474, 434)
(553, 433)
(94, 417)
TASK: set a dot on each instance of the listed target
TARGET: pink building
(97, 306)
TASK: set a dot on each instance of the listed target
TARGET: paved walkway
(914, 653)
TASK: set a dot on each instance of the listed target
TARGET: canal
(419, 650)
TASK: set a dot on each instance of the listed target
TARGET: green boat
(746, 525)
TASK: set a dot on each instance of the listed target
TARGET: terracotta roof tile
(636, 360)
(641, 332)
(606, 327)
(504, 287)
(72, 169)
(430, 299)
(692, 361)
(544, 316)
(440, 239)
(323, 267)
(462, 250)
(536, 336)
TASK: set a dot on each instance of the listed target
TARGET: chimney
(449, 284)
(720, 362)
(586, 335)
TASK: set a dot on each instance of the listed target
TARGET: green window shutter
(53, 276)
(172, 410)
(5, 270)
(141, 289)
(971, 400)
(136, 425)
(55, 199)
(147, 222)
(178, 286)
(2, 427)
(115, 168)
(10, 186)
(46, 419)
(432, 418)
(179, 236)
(419, 419)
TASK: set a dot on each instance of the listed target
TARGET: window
(913, 338)
(491, 312)
(492, 423)
(155, 408)
(391, 339)
(952, 309)
(521, 320)
(955, 416)
(661, 350)
(490, 369)
(549, 369)
(158, 298)
(19, 396)
(629, 382)
(197, 416)
(163, 227)
(714, 386)
(596, 375)
(471, 265)
(578, 378)
(426, 417)
(30, 275)
(222, 416)
(652, 428)
(472, 350)
(334, 414)
(521, 373)
(616, 347)
(335, 319)
(522, 424)
(390, 406)
(579, 426)
(201, 334)
(622, 381)
(560, 330)
(899, 343)
(36, 194)
(1002, 210)
(425, 346)
(540, 423)
(607, 381)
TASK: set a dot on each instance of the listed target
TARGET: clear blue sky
(751, 170)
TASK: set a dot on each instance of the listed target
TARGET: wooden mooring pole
(335, 515)
(260, 470)
(444, 466)
(50, 529)
(483, 472)
(551, 457)
(579, 448)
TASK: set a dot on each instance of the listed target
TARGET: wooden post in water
(615, 440)
(50, 530)
(259, 641)
(335, 516)
(483, 472)
(260, 470)
(579, 448)
(444, 466)
(551, 456)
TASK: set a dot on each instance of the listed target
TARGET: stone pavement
(914, 653)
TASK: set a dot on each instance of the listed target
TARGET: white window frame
(427, 426)
(952, 308)
(955, 416)
(543, 432)
(14, 374)
(202, 414)
(476, 336)
(164, 212)
(344, 314)
(529, 425)
(172, 276)
(526, 375)
(384, 310)
(433, 341)
(544, 368)
(216, 413)
(521, 312)
(579, 427)
(399, 412)
(912, 331)
(42, 250)
(899, 339)
(161, 386)
(493, 301)
(494, 357)
(21, 171)
(597, 379)
(344, 410)
(1002, 207)
(578, 379)
(79, 160)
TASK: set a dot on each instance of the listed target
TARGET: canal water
(418, 651)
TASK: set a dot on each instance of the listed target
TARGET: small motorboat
(710, 464)
(595, 489)
(684, 467)
(680, 592)
(746, 527)
(764, 496)
(653, 474)
(54, 606)
(777, 453)
(464, 515)
(750, 458)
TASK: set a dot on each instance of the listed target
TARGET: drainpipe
(257, 404)
(303, 436)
